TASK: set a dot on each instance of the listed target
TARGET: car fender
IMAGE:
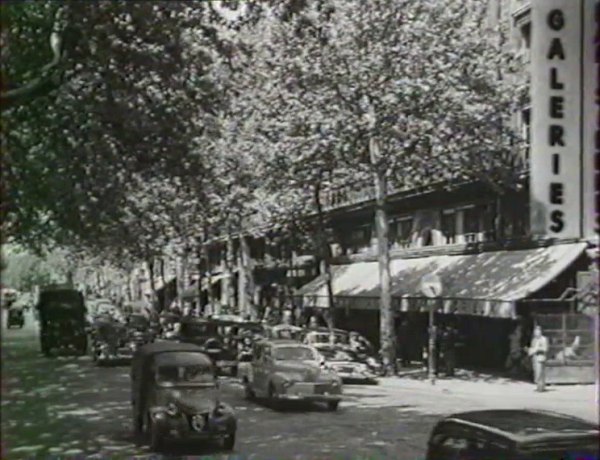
(158, 415)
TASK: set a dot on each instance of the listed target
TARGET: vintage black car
(206, 334)
(62, 316)
(140, 330)
(513, 435)
(16, 318)
(175, 396)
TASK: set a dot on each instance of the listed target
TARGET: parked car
(324, 336)
(15, 317)
(286, 370)
(348, 365)
(284, 332)
(514, 435)
(175, 396)
(110, 340)
(62, 316)
(360, 348)
(140, 330)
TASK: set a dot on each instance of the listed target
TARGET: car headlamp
(172, 410)
(198, 422)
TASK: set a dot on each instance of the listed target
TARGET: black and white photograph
(300, 229)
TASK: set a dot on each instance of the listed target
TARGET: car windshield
(294, 353)
(169, 375)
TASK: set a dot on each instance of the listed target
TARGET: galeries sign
(558, 125)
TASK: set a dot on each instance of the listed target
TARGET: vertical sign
(591, 118)
(556, 135)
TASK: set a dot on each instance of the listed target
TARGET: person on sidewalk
(448, 339)
(403, 343)
(538, 352)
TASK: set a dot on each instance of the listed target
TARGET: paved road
(67, 406)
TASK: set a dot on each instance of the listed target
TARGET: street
(68, 406)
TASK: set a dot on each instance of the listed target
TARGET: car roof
(523, 425)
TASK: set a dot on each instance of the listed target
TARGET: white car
(348, 365)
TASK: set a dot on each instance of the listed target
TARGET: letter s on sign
(558, 223)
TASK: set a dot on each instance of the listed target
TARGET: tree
(407, 91)
(133, 84)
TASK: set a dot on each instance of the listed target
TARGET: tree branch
(48, 80)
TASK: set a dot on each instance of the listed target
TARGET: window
(400, 231)
(476, 220)
(449, 226)
(526, 36)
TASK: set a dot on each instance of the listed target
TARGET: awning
(500, 275)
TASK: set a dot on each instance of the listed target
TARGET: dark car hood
(194, 401)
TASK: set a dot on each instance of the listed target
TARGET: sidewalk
(450, 395)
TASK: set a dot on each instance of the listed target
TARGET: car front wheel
(333, 405)
(248, 390)
(229, 442)
(272, 396)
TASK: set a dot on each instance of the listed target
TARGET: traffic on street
(67, 405)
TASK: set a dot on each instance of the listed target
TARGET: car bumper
(179, 428)
(302, 393)
(354, 377)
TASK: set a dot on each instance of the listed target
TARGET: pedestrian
(538, 351)
(515, 354)
(403, 343)
(448, 339)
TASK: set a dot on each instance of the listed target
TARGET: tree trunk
(152, 286)
(245, 279)
(387, 327)
(325, 254)
(228, 291)
(183, 276)
(199, 255)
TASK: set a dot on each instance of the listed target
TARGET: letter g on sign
(556, 20)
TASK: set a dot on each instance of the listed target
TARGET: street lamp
(431, 287)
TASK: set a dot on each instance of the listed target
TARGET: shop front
(485, 297)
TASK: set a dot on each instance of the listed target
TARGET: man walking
(538, 352)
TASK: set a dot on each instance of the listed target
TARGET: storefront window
(449, 226)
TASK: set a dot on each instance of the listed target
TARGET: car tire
(332, 405)
(229, 442)
(272, 397)
(248, 390)
(156, 442)
(45, 350)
